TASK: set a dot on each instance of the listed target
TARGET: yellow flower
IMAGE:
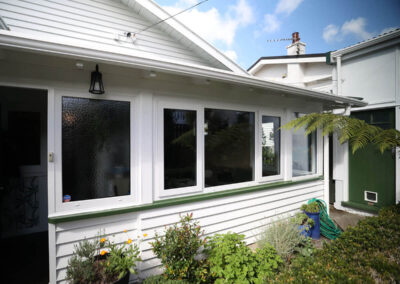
(145, 235)
(125, 230)
(102, 240)
(103, 252)
(129, 241)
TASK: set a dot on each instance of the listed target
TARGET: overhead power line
(170, 17)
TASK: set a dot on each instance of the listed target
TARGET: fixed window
(304, 153)
(95, 148)
(180, 148)
(229, 146)
(270, 143)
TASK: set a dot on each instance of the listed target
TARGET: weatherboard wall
(90, 23)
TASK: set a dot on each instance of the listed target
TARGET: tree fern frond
(355, 131)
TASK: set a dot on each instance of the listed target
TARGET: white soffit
(152, 11)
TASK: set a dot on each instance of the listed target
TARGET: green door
(371, 171)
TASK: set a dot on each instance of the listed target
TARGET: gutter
(13, 40)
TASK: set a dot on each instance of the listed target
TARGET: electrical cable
(170, 17)
(328, 227)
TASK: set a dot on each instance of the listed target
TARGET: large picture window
(304, 155)
(270, 143)
(95, 149)
(229, 147)
(179, 148)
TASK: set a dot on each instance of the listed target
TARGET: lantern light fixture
(96, 82)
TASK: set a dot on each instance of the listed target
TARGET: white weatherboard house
(180, 128)
(368, 180)
(297, 68)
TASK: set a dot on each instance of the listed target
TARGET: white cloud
(353, 27)
(231, 54)
(357, 28)
(287, 6)
(211, 24)
(271, 23)
(330, 33)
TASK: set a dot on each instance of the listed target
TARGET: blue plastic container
(303, 230)
(315, 230)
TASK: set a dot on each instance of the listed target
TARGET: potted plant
(103, 261)
(312, 210)
(304, 222)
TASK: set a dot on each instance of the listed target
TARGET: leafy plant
(159, 279)
(231, 261)
(366, 253)
(312, 207)
(102, 261)
(301, 219)
(283, 235)
(355, 131)
(178, 248)
(306, 248)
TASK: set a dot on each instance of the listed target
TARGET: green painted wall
(369, 169)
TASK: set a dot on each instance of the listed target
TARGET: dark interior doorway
(23, 185)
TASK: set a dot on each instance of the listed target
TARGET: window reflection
(179, 148)
(229, 147)
(270, 145)
(95, 148)
(304, 154)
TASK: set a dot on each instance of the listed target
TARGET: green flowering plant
(178, 249)
(102, 260)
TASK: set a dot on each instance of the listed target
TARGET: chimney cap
(295, 37)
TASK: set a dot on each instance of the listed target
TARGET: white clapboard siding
(245, 214)
(93, 21)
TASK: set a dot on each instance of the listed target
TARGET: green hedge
(366, 253)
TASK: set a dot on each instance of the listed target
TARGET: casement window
(94, 152)
(229, 147)
(304, 153)
(270, 146)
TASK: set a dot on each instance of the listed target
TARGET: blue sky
(241, 28)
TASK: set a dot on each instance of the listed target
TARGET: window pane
(229, 147)
(95, 148)
(304, 153)
(271, 141)
(179, 148)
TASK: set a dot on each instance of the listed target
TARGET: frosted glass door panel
(95, 148)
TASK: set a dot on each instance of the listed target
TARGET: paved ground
(344, 219)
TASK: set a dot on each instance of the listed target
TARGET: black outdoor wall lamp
(96, 82)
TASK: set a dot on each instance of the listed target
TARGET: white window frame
(159, 149)
(103, 203)
(234, 107)
(260, 177)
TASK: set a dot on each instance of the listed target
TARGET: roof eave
(10, 40)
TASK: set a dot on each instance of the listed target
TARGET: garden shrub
(178, 248)
(366, 253)
(230, 260)
(159, 279)
(283, 235)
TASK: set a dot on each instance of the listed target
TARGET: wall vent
(371, 196)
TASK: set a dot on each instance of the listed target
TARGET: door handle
(51, 157)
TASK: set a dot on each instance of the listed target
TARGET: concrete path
(344, 219)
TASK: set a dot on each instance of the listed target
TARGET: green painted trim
(362, 207)
(176, 201)
(328, 58)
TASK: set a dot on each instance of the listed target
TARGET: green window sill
(176, 201)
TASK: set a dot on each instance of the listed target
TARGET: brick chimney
(297, 47)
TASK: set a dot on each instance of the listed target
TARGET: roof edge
(156, 10)
(12, 40)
